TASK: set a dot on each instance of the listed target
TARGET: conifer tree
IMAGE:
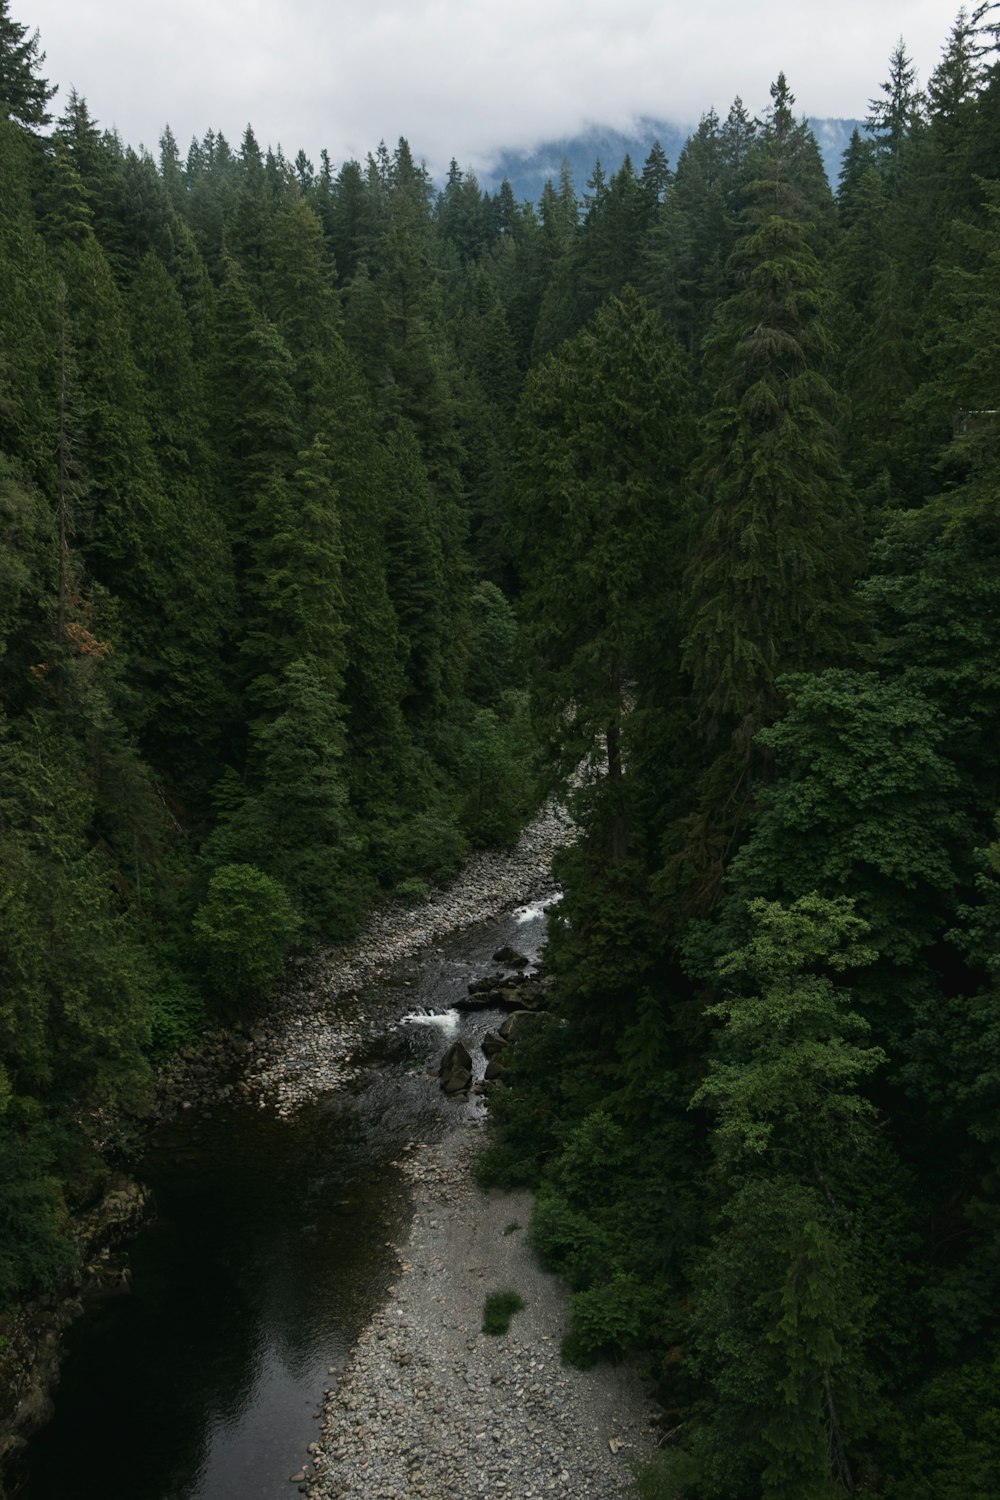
(786, 169)
(897, 108)
(24, 94)
(776, 541)
(603, 439)
(684, 255)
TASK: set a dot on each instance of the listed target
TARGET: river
(272, 1244)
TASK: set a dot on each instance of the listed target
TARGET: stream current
(272, 1245)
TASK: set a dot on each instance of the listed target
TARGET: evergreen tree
(897, 109)
(603, 438)
(776, 533)
(24, 95)
(784, 163)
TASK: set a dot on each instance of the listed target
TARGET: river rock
(495, 1071)
(480, 1000)
(510, 958)
(455, 1071)
(508, 998)
(493, 1043)
(513, 1021)
(486, 983)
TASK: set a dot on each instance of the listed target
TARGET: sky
(459, 78)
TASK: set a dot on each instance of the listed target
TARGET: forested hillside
(255, 664)
(755, 515)
(332, 504)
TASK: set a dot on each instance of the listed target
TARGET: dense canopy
(342, 517)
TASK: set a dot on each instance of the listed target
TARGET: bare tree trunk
(616, 788)
(839, 1461)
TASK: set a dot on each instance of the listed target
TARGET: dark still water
(268, 1253)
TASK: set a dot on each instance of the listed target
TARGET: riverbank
(429, 1405)
(306, 1047)
(424, 1404)
(309, 1043)
(31, 1345)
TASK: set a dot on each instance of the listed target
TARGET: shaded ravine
(274, 1242)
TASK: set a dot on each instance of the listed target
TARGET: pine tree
(893, 116)
(602, 439)
(784, 1275)
(300, 296)
(24, 95)
(776, 541)
(788, 177)
(684, 255)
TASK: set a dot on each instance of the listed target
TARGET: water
(272, 1246)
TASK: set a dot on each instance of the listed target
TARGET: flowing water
(271, 1246)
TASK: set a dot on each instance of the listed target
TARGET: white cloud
(461, 79)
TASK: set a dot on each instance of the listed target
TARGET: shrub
(498, 1310)
(412, 891)
(244, 927)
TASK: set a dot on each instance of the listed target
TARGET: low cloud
(461, 80)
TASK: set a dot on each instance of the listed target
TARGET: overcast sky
(459, 78)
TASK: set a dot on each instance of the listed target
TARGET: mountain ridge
(528, 170)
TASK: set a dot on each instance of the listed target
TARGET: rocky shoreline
(305, 1047)
(31, 1353)
(429, 1405)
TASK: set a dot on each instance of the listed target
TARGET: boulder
(488, 982)
(510, 958)
(495, 1071)
(512, 1022)
(493, 1042)
(455, 1071)
(478, 1000)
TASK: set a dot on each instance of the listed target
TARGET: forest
(343, 516)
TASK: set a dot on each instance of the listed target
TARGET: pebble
(426, 1408)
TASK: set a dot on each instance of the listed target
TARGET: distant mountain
(528, 171)
(834, 137)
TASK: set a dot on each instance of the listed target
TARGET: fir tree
(24, 95)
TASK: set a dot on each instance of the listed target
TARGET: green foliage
(178, 1014)
(337, 520)
(34, 1249)
(498, 1310)
(791, 1063)
(23, 94)
(776, 532)
(781, 1309)
(864, 805)
(950, 1451)
(617, 1234)
(412, 891)
(244, 928)
(494, 763)
(603, 435)
(530, 1116)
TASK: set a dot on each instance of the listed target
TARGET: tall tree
(897, 108)
(603, 439)
(24, 94)
(776, 539)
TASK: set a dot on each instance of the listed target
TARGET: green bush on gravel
(498, 1310)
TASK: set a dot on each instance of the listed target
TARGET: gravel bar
(428, 1405)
